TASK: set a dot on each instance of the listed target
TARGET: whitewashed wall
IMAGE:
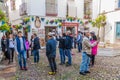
(36, 7)
(62, 8)
(80, 8)
(14, 14)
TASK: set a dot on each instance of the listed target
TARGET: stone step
(108, 52)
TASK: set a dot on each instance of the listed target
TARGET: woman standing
(10, 48)
(27, 47)
(94, 50)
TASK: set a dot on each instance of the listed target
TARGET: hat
(92, 32)
(69, 32)
(50, 34)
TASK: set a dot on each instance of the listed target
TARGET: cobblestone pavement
(106, 68)
(7, 72)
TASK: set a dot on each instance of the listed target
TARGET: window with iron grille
(13, 5)
(51, 8)
(87, 8)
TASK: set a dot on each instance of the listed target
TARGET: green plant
(2, 15)
(18, 26)
(99, 22)
(5, 27)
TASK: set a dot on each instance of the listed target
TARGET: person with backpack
(79, 41)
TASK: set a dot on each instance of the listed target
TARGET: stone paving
(106, 68)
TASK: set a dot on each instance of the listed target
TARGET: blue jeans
(62, 55)
(68, 54)
(36, 56)
(22, 57)
(79, 46)
(85, 62)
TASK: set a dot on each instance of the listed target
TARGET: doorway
(71, 29)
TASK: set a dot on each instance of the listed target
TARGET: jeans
(79, 47)
(22, 57)
(52, 63)
(85, 62)
(36, 56)
(68, 54)
(62, 55)
(11, 54)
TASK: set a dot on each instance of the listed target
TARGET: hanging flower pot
(3, 22)
(71, 20)
(52, 21)
(47, 21)
(56, 21)
(32, 18)
(60, 25)
(42, 19)
(28, 27)
(81, 22)
(63, 20)
(18, 26)
(60, 20)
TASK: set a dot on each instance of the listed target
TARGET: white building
(48, 10)
(111, 9)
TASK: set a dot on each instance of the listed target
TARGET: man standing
(10, 48)
(68, 47)
(21, 50)
(51, 53)
(79, 41)
(61, 40)
(36, 47)
(86, 52)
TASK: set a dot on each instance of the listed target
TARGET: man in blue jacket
(79, 41)
(51, 53)
(36, 47)
(20, 49)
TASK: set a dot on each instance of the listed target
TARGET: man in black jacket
(61, 40)
(36, 47)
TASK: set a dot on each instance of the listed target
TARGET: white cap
(50, 34)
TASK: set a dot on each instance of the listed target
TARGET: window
(51, 8)
(13, 5)
(23, 9)
(87, 8)
(118, 3)
(118, 30)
